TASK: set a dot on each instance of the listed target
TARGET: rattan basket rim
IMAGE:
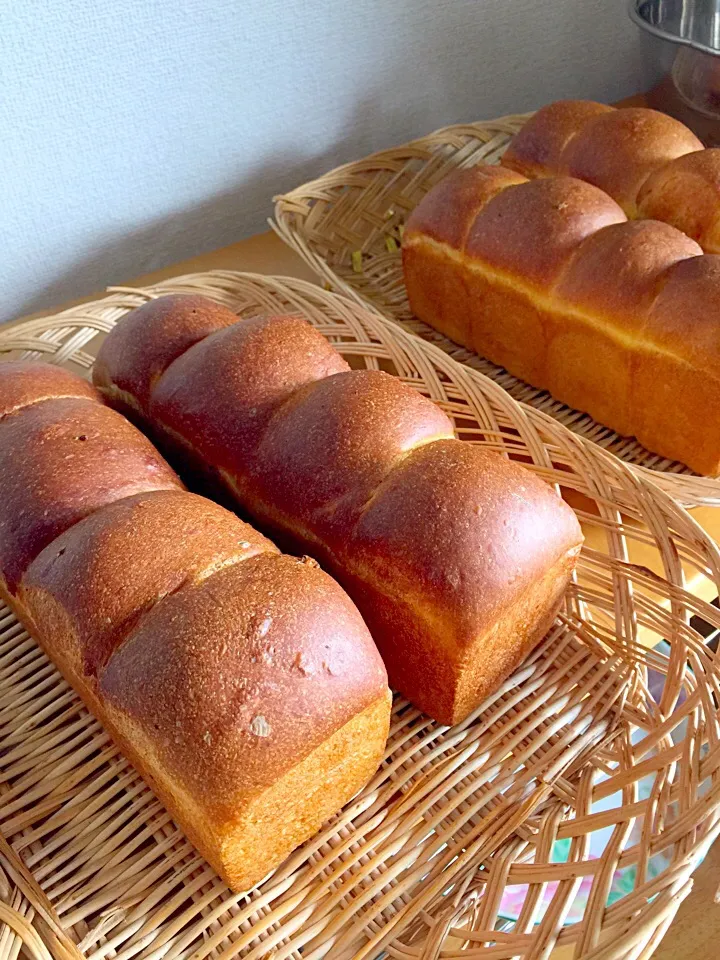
(290, 224)
(611, 587)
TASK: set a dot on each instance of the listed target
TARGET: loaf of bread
(456, 557)
(242, 683)
(548, 279)
(651, 164)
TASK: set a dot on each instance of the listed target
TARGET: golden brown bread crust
(23, 382)
(229, 679)
(467, 191)
(327, 449)
(172, 324)
(618, 150)
(213, 397)
(315, 452)
(613, 277)
(577, 317)
(80, 586)
(276, 820)
(467, 572)
(227, 672)
(686, 193)
(539, 225)
(536, 150)
(60, 460)
(652, 164)
(450, 548)
(636, 255)
(674, 400)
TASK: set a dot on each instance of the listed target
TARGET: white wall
(137, 132)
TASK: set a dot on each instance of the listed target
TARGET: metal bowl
(695, 26)
(693, 23)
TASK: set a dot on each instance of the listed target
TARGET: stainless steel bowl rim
(658, 29)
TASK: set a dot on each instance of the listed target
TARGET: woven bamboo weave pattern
(569, 810)
(347, 226)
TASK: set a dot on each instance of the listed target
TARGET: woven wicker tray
(570, 809)
(346, 225)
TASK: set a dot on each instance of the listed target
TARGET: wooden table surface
(695, 932)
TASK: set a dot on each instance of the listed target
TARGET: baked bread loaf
(242, 683)
(457, 558)
(548, 279)
(651, 164)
